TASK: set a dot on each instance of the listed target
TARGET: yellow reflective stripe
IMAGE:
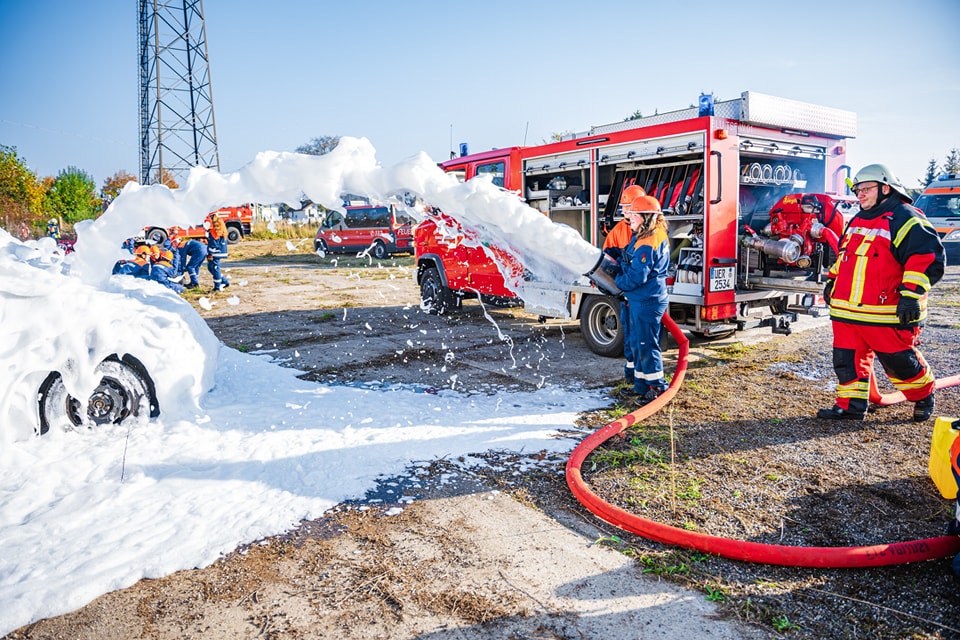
(905, 386)
(925, 379)
(864, 308)
(867, 318)
(859, 277)
(855, 389)
(902, 233)
(917, 278)
(869, 233)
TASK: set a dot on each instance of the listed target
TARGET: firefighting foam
(550, 251)
(242, 448)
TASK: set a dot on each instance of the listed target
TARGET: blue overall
(192, 254)
(216, 249)
(643, 280)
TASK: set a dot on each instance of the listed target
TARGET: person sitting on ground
(139, 266)
(162, 269)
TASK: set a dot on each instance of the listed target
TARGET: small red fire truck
(747, 187)
(238, 221)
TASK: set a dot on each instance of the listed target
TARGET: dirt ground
(502, 549)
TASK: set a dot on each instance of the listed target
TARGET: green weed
(782, 623)
(715, 594)
(662, 566)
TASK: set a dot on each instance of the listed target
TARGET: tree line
(950, 164)
(28, 202)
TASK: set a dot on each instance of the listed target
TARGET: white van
(940, 202)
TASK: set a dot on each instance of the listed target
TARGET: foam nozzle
(603, 273)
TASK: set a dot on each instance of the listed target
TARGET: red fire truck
(747, 187)
(238, 221)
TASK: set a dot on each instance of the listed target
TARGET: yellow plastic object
(940, 468)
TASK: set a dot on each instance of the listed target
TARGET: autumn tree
(165, 178)
(21, 194)
(319, 146)
(113, 184)
(73, 196)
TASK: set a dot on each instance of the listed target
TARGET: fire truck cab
(747, 187)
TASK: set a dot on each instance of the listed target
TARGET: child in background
(216, 249)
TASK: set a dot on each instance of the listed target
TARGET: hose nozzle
(603, 273)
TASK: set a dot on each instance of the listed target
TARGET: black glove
(612, 269)
(614, 252)
(827, 291)
(908, 310)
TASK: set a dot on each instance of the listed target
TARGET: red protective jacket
(886, 252)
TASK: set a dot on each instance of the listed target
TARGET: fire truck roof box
(758, 109)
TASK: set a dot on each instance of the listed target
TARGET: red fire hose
(827, 557)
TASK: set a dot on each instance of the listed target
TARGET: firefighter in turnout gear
(890, 256)
(613, 245)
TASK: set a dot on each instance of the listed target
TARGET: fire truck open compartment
(718, 177)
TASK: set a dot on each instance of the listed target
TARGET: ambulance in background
(940, 202)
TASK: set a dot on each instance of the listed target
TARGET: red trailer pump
(746, 190)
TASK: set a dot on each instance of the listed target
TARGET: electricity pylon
(177, 130)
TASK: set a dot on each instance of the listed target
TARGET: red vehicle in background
(747, 187)
(383, 229)
(238, 220)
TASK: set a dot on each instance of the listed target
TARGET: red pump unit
(797, 224)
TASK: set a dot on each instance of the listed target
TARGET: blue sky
(416, 76)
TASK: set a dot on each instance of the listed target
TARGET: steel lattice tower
(177, 130)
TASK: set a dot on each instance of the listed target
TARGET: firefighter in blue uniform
(216, 249)
(643, 280)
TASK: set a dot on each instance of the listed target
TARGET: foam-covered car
(80, 355)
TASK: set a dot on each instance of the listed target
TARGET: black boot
(652, 394)
(836, 413)
(923, 409)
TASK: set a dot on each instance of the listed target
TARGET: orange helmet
(644, 204)
(633, 191)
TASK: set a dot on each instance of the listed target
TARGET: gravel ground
(736, 454)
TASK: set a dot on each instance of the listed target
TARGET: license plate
(721, 278)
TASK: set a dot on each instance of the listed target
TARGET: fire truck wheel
(157, 235)
(124, 392)
(435, 298)
(379, 250)
(234, 235)
(600, 326)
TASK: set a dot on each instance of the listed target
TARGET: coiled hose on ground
(825, 557)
